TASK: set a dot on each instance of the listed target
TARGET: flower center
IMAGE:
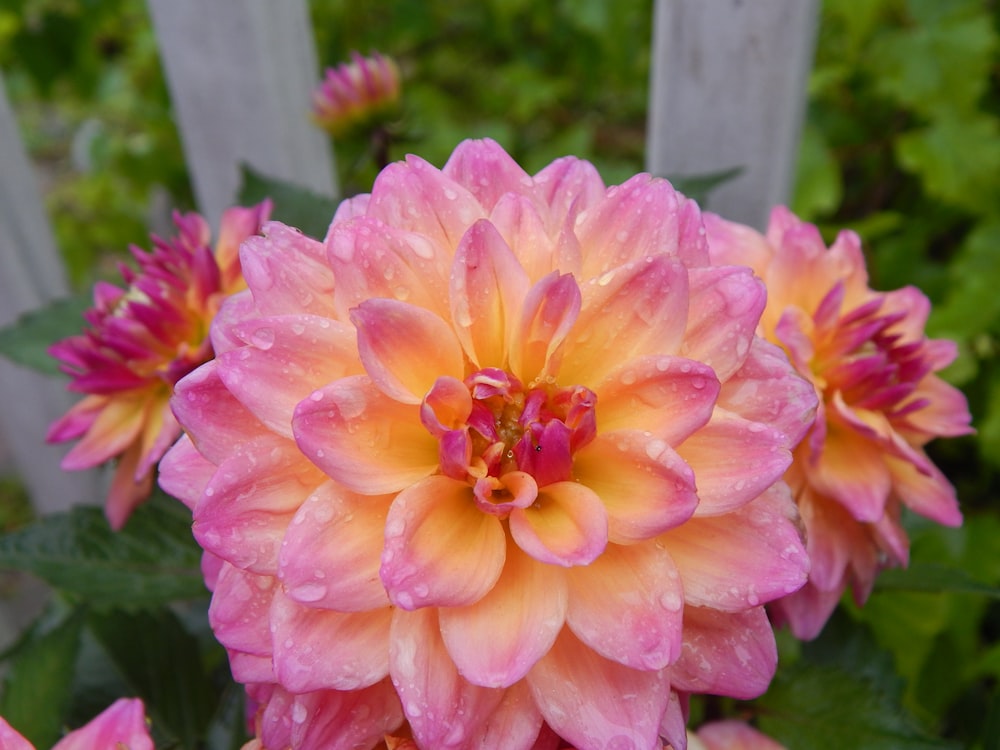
(491, 427)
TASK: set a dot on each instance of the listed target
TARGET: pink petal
(215, 421)
(115, 427)
(946, 413)
(248, 669)
(568, 186)
(539, 250)
(239, 610)
(646, 488)
(513, 724)
(733, 244)
(643, 216)
(286, 358)
(416, 197)
(11, 739)
(287, 272)
(766, 390)
(363, 439)
(725, 653)
(726, 304)
(488, 286)
(931, 494)
(671, 397)
(549, 312)
(250, 500)
(673, 725)
(332, 550)
(440, 549)
(234, 310)
(595, 703)
(566, 525)
(487, 171)
(627, 606)
(122, 724)
(342, 720)
(442, 708)
(734, 460)
(372, 259)
(527, 605)
(743, 558)
(631, 311)
(807, 610)
(319, 649)
(405, 348)
(735, 735)
(852, 469)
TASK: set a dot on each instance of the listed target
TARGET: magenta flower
(730, 735)
(121, 726)
(356, 92)
(504, 452)
(139, 342)
(880, 402)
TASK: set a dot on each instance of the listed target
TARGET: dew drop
(263, 338)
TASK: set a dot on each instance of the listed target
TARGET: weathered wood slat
(240, 74)
(728, 88)
(31, 274)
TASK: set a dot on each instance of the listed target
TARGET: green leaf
(842, 693)
(153, 560)
(818, 186)
(162, 664)
(294, 205)
(38, 685)
(26, 340)
(698, 187)
(935, 578)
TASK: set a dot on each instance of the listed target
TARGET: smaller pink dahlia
(730, 734)
(121, 726)
(881, 402)
(140, 341)
(355, 92)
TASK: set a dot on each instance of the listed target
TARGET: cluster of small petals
(122, 726)
(138, 342)
(355, 92)
(873, 369)
(500, 460)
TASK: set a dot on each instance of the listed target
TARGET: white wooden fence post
(728, 89)
(31, 274)
(240, 74)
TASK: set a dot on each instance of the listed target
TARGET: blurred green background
(901, 143)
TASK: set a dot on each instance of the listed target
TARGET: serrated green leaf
(161, 663)
(699, 186)
(38, 685)
(294, 205)
(26, 340)
(153, 560)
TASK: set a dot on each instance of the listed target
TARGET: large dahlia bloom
(880, 402)
(121, 726)
(139, 342)
(501, 458)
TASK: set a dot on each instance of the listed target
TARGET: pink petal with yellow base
(549, 312)
(122, 724)
(394, 339)
(286, 358)
(440, 550)
(488, 171)
(342, 720)
(566, 525)
(523, 224)
(731, 651)
(371, 259)
(646, 488)
(488, 286)
(319, 649)
(527, 605)
(239, 610)
(184, 472)
(596, 703)
(362, 438)
(331, 552)
(743, 558)
(627, 606)
(287, 273)
(670, 397)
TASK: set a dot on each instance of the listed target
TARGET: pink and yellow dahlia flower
(503, 452)
(356, 92)
(881, 402)
(121, 726)
(139, 342)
